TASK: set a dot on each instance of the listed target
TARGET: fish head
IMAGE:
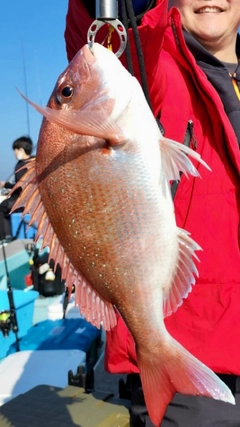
(92, 95)
(94, 76)
(73, 86)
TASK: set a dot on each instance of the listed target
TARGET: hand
(2, 184)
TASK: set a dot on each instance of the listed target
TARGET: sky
(32, 56)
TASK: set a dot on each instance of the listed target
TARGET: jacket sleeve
(9, 185)
(77, 23)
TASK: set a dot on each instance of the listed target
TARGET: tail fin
(176, 371)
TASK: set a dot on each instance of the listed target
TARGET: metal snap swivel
(114, 23)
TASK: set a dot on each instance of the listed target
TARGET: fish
(99, 192)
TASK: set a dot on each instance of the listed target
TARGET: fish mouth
(88, 54)
(208, 9)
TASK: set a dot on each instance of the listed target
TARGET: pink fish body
(99, 192)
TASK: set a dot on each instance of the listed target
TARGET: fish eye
(65, 94)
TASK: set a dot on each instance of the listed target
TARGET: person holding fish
(101, 192)
(191, 50)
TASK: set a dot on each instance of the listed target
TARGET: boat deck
(104, 382)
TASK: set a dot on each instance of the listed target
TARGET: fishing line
(125, 22)
(132, 21)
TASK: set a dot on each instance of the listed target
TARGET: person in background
(191, 50)
(22, 148)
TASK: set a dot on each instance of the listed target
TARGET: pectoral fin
(174, 159)
(84, 122)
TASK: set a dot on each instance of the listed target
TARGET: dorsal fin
(184, 275)
(96, 310)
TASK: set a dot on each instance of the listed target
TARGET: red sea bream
(99, 191)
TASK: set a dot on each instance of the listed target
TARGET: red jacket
(208, 322)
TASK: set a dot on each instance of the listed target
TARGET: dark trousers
(5, 225)
(5, 220)
(185, 411)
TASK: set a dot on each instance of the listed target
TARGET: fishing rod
(8, 318)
